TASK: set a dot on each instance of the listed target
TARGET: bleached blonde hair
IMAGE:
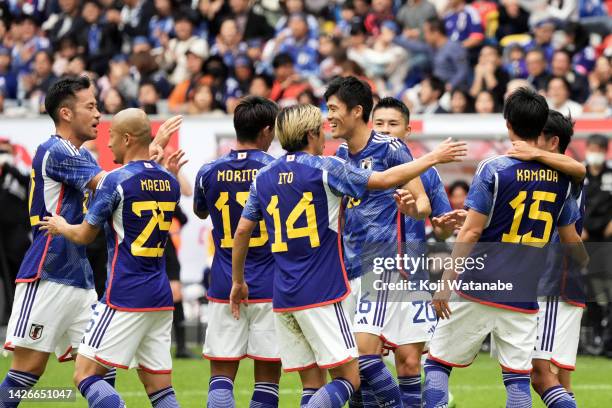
(293, 124)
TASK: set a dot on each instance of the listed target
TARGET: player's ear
(65, 113)
(357, 111)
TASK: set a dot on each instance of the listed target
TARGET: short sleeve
(199, 195)
(71, 167)
(436, 193)
(252, 209)
(105, 201)
(569, 213)
(480, 196)
(345, 179)
(398, 153)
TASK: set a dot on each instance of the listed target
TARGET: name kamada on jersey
(222, 188)
(525, 202)
(58, 185)
(135, 204)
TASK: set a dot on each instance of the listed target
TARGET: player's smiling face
(390, 121)
(86, 115)
(341, 120)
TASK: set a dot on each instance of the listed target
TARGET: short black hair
(352, 92)
(437, 25)
(459, 184)
(437, 84)
(526, 111)
(62, 93)
(560, 126)
(393, 103)
(599, 140)
(281, 59)
(253, 114)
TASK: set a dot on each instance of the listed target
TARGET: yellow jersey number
(304, 206)
(518, 205)
(157, 210)
(222, 204)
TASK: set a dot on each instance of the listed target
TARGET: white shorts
(129, 339)
(320, 336)
(49, 317)
(398, 316)
(558, 332)
(457, 340)
(253, 336)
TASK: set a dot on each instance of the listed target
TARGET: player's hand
(240, 292)
(53, 225)
(449, 151)
(523, 151)
(440, 303)
(175, 162)
(156, 152)
(406, 203)
(451, 220)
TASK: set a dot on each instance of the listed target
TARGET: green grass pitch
(477, 386)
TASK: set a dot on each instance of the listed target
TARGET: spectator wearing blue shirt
(228, 45)
(295, 7)
(302, 49)
(28, 45)
(161, 26)
(463, 24)
(543, 32)
(8, 79)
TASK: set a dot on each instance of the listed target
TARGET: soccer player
(391, 117)
(373, 228)
(221, 190)
(517, 205)
(561, 300)
(132, 323)
(298, 196)
(54, 292)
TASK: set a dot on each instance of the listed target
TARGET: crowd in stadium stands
(179, 56)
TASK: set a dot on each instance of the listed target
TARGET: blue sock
(557, 397)
(435, 393)
(378, 377)
(111, 376)
(410, 387)
(518, 390)
(265, 395)
(220, 392)
(99, 394)
(164, 398)
(307, 394)
(334, 395)
(15, 379)
(363, 397)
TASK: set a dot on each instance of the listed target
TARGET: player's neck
(360, 139)
(69, 135)
(247, 146)
(136, 154)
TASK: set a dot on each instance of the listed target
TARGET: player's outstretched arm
(523, 151)
(81, 234)
(446, 152)
(240, 290)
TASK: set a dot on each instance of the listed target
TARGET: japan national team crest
(36, 331)
(367, 163)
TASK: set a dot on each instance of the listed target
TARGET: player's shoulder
(389, 142)
(342, 150)
(208, 167)
(260, 157)
(60, 147)
(495, 164)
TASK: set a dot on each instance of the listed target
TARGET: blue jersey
(525, 202)
(58, 185)
(135, 204)
(438, 199)
(373, 226)
(464, 24)
(562, 276)
(222, 189)
(298, 196)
